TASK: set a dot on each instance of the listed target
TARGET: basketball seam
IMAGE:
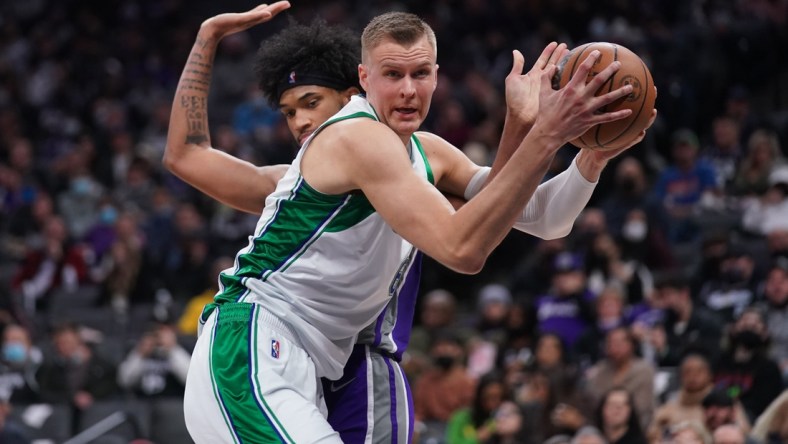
(642, 104)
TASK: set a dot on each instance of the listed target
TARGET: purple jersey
(564, 317)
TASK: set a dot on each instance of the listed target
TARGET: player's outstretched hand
(569, 112)
(226, 24)
(522, 90)
(605, 155)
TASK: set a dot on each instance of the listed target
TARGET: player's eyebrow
(301, 98)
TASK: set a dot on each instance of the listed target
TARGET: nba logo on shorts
(274, 349)
(292, 78)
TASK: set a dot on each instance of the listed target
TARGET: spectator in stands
(634, 218)
(745, 370)
(552, 357)
(57, 264)
(622, 368)
(19, 363)
(772, 426)
(775, 309)
(508, 428)
(688, 432)
(724, 153)
(769, 214)
(79, 205)
(589, 435)
(446, 387)
(682, 187)
(733, 287)
(494, 302)
(187, 324)
(124, 272)
(686, 326)
(567, 309)
(10, 431)
(763, 156)
(26, 226)
(534, 275)
(695, 377)
(157, 365)
(617, 419)
(729, 434)
(607, 266)
(75, 373)
(551, 406)
(609, 315)
(476, 424)
(720, 408)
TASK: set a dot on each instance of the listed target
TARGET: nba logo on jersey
(292, 78)
(274, 349)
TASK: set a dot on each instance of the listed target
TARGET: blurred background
(669, 296)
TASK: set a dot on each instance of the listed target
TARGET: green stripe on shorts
(231, 373)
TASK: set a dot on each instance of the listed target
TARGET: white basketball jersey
(325, 264)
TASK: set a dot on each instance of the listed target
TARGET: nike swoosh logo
(335, 388)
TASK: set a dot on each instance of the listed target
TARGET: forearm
(514, 131)
(188, 154)
(130, 371)
(485, 220)
(188, 127)
(554, 206)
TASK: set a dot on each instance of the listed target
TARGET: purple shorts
(372, 401)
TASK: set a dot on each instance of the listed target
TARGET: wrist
(590, 166)
(518, 124)
(549, 142)
(208, 35)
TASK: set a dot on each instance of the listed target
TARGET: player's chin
(408, 124)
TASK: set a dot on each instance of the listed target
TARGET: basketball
(620, 133)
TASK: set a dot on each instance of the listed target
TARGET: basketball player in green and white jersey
(305, 226)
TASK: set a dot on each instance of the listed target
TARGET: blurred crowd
(662, 316)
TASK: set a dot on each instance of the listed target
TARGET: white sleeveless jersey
(325, 264)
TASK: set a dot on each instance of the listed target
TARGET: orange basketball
(617, 134)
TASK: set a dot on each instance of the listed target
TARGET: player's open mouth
(406, 111)
(303, 137)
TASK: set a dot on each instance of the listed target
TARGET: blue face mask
(108, 215)
(14, 352)
(81, 186)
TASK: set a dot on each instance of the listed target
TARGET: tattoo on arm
(193, 93)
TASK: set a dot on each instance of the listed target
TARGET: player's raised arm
(189, 154)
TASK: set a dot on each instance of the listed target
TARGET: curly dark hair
(331, 51)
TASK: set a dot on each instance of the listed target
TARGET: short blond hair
(403, 28)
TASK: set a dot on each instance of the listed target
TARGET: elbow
(466, 260)
(558, 232)
(168, 160)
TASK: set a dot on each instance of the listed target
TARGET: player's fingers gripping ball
(620, 133)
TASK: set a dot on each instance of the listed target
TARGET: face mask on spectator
(81, 186)
(748, 339)
(108, 215)
(634, 231)
(444, 362)
(14, 352)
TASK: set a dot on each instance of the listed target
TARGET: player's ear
(362, 76)
(435, 78)
(348, 93)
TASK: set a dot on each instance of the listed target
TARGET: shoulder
(353, 133)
